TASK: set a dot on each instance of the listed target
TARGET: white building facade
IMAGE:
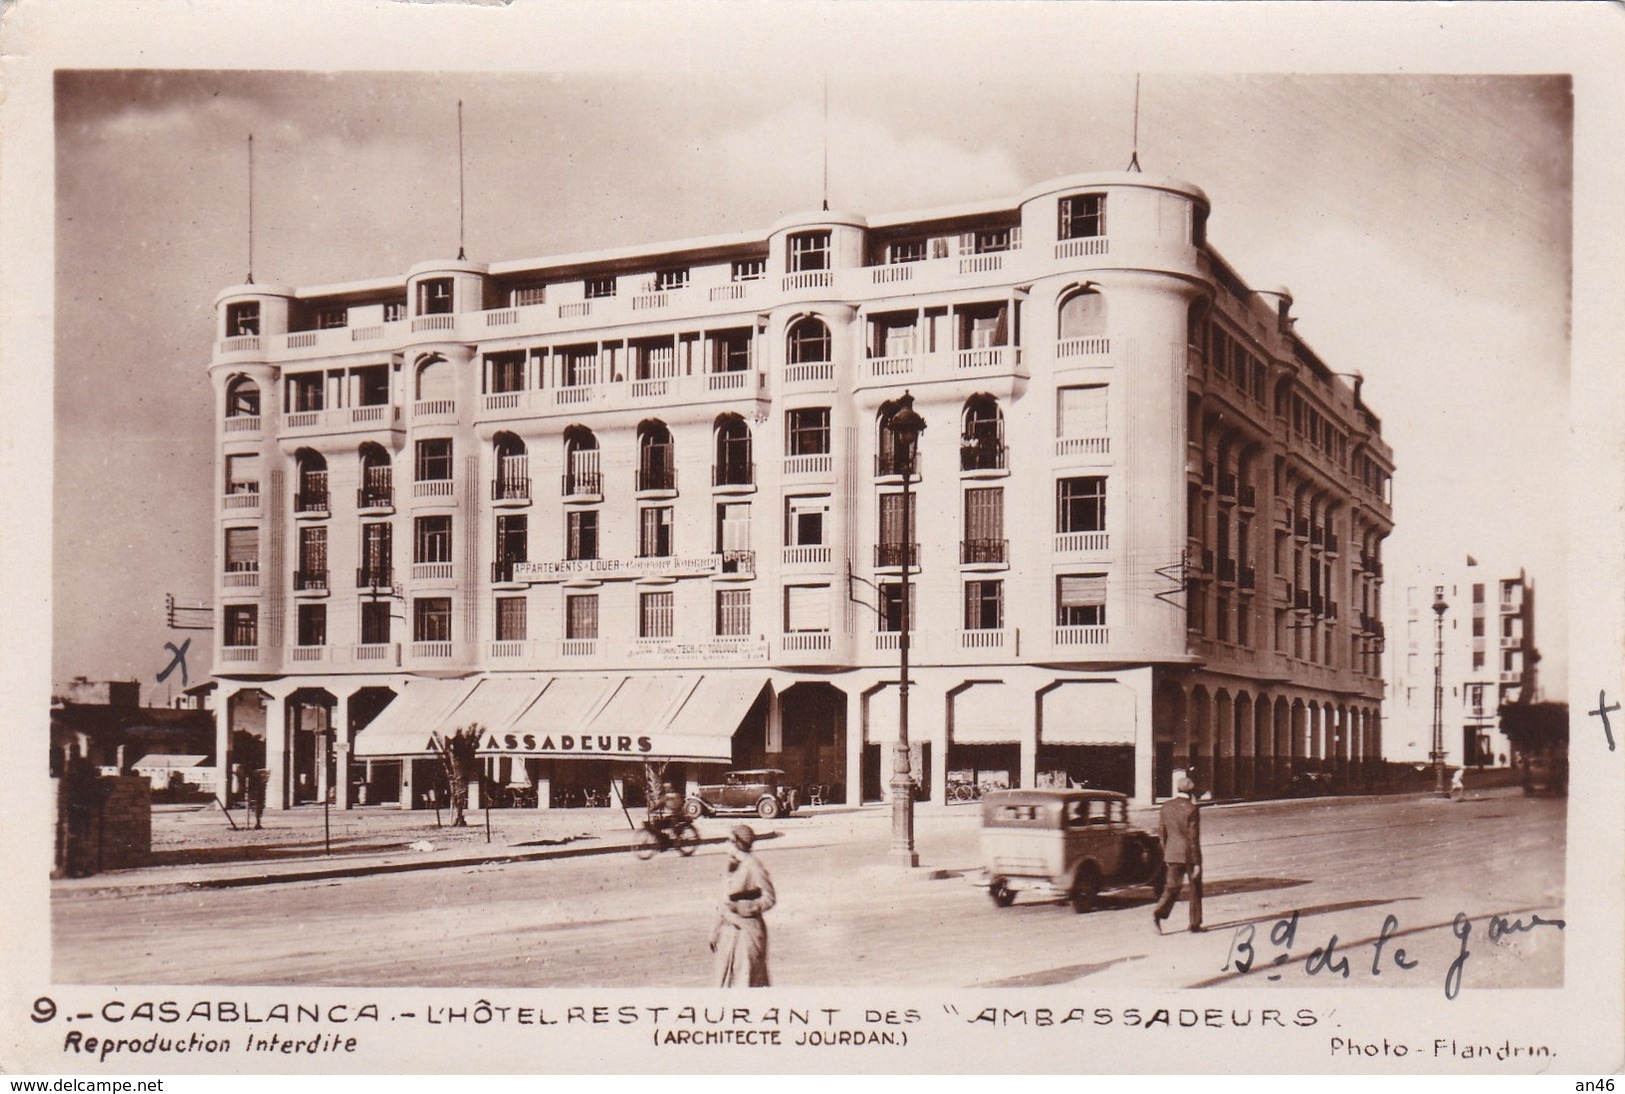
(1486, 641)
(641, 505)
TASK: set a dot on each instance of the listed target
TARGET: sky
(1423, 224)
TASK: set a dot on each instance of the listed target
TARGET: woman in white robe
(739, 939)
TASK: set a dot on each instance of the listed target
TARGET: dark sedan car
(761, 791)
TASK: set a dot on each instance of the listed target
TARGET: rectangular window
(313, 624)
(513, 542)
(1478, 626)
(305, 390)
(510, 619)
(395, 311)
(984, 326)
(1083, 216)
(332, 318)
(1221, 619)
(891, 520)
(806, 608)
(596, 288)
(1478, 660)
(907, 250)
(505, 372)
(654, 532)
(809, 251)
(1244, 629)
(666, 280)
(984, 605)
(433, 462)
(804, 520)
(242, 550)
(991, 240)
(1509, 661)
(581, 538)
(1080, 600)
(733, 612)
(807, 431)
(431, 541)
(655, 615)
(242, 625)
(733, 526)
(891, 606)
(242, 319)
(581, 615)
(313, 552)
(527, 296)
(1509, 590)
(1081, 411)
(1080, 504)
(374, 622)
(376, 554)
(434, 296)
(750, 269)
(371, 385)
(730, 350)
(243, 474)
(431, 619)
(1478, 594)
(984, 524)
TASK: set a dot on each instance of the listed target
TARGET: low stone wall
(116, 835)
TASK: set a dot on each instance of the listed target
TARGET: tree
(459, 755)
(1539, 733)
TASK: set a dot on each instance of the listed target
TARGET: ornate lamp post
(1439, 608)
(905, 427)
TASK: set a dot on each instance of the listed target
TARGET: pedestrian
(257, 780)
(739, 939)
(1458, 784)
(1181, 829)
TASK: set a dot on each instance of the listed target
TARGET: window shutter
(242, 549)
(1082, 590)
(806, 608)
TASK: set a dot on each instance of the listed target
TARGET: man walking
(1181, 830)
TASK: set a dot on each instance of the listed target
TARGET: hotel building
(1487, 660)
(642, 504)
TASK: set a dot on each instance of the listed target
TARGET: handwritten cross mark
(1602, 712)
(179, 660)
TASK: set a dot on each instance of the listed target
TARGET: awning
(551, 724)
(704, 725)
(1087, 713)
(991, 713)
(636, 714)
(406, 726)
(493, 705)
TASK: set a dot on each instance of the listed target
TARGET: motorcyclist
(667, 815)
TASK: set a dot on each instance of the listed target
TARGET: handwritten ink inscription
(1326, 959)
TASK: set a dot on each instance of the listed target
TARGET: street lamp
(1439, 608)
(904, 426)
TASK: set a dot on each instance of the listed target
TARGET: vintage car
(761, 791)
(1071, 843)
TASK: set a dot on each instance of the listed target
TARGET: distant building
(642, 504)
(1489, 659)
(108, 693)
(116, 735)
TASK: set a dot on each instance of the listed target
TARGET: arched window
(512, 465)
(733, 453)
(377, 487)
(581, 474)
(981, 445)
(808, 342)
(656, 468)
(311, 496)
(1083, 315)
(435, 381)
(243, 398)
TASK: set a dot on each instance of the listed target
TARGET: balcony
(434, 408)
(810, 279)
(1248, 496)
(432, 651)
(239, 654)
(1085, 247)
(1207, 560)
(806, 642)
(578, 647)
(1075, 542)
(242, 343)
(352, 419)
(374, 577)
(375, 498)
(1227, 484)
(820, 463)
(893, 555)
(433, 488)
(383, 655)
(892, 368)
(808, 555)
(738, 564)
(737, 381)
(1248, 578)
(309, 654)
(809, 372)
(510, 489)
(509, 649)
(733, 473)
(432, 571)
(241, 576)
(443, 322)
(310, 581)
(1083, 446)
(1227, 570)
(1080, 636)
(661, 479)
(241, 496)
(983, 456)
(583, 484)
(243, 423)
(1083, 347)
(311, 502)
(1300, 600)
(991, 359)
(502, 571)
(984, 552)
(1301, 528)
(984, 639)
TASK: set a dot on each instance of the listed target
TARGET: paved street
(603, 920)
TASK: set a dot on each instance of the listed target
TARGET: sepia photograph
(1018, 553)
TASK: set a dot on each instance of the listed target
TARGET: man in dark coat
(1181, 830)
